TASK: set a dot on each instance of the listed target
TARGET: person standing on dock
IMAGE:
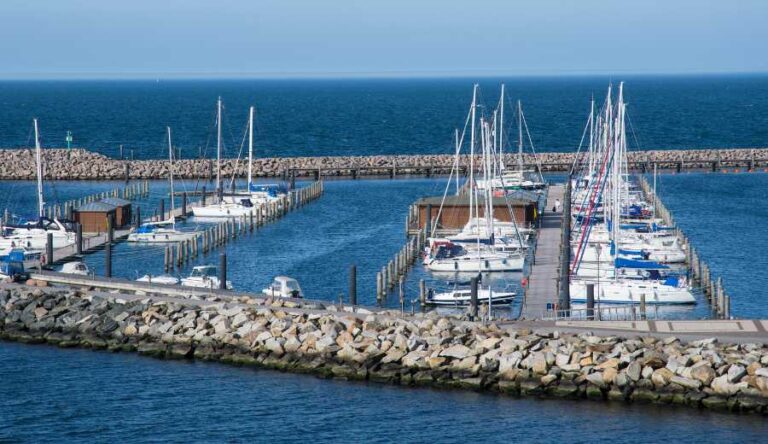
(556, 208)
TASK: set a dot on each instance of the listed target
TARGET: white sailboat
(481, 257)
(163, 231)
(612, 285)
(34, 235)
(230, 206)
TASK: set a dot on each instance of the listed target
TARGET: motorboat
(463, 296)
(204, 276)
(164, 279)
(75, 267)
(284, 287)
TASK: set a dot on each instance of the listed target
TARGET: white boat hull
(631, 292)
(161, 236)
(464, 297)
(471, 263)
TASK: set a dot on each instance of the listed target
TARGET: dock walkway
(542, 280)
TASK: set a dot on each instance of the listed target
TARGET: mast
(472, 154)
(250, 148)
(456, 159)
(591, 137)
(39, 159)
(170, 170)
(218, 145)
(501, 129)
(520, 137)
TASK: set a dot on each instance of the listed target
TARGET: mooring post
(183, 203)
(353, 285)
(401, 286)
(108, 259)
(422, 293)
(162, 208)
(49, 249)
(223, 271)
(137, 221)
(127, 172)
(591, 301)
(210, 171)
(473, 297)
(79, 238)
(642, 307)
(203, 199)
(110, 227)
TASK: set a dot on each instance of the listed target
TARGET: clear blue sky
(95, 38)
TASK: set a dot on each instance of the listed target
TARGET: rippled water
(55, 395)
(362, 117)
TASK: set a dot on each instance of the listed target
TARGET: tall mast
(591, 138)
(170, 170)
(501, 128)
(520, 136)
(456, 159)
(218, 145)
(472, 154)
(39, 159)
(250, 148)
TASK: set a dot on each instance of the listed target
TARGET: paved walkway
(542, 281)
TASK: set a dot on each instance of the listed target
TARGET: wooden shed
(455, 211)
(94, 216)
(123, 211)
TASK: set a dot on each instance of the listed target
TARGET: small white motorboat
(463, 296)
(164, 279)
(284, 287)
(204, 276)
(76, 267)
(160, 232)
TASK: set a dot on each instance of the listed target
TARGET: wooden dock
(543, 278)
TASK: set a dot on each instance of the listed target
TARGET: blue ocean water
(54, 395)
(373, 116)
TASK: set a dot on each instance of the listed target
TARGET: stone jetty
(81, 164)
(421, 350)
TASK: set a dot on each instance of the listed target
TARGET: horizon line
(21, 76)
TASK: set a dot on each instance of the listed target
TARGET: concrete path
(542, 281)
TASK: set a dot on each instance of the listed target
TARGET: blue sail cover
(271, 190)
(621, 262)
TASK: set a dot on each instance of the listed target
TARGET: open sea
(373, 116)
(56, 395)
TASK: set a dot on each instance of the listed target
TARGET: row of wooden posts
(230, 229)
(700, 272)
(392, 275)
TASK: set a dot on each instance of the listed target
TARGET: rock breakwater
(411, 351)
(80, 164)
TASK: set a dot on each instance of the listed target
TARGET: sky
(244, 38)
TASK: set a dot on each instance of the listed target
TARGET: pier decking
(542, 280)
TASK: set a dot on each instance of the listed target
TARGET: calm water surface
(53, 395)
(365, 117)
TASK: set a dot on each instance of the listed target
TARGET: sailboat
(607, 184)
(33, 235)
(229, 206)
(257, 193)
(503, 178)
(477, 253)
(165, 230)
